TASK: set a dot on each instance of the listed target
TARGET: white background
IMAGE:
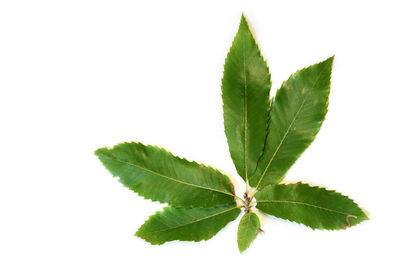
(79, 75)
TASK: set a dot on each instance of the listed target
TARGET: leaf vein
(172, 179)
(305, 204)
(245, 111)
(204, 218)
(280, 144)
(286, 133)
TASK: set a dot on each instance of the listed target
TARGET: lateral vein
(204, 218)
(305, 204)
(170, 178)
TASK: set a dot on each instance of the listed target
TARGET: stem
(243, 201)
(233, 192)
(246, 203)
(253, 193)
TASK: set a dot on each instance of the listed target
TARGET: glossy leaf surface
(245, 93)
(248, 229)
(297, 113)
(186, 224)
(156, 174)
(315, 207)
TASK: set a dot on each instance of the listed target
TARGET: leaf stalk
(246, 203)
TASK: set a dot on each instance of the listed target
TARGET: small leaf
(315, 207)
(248, 229)
(156, 174)
(186, 224)
(297, 113)
(245, 93)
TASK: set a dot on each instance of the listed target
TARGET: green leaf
(156, 174)
(245, 93)
(248, 229)
(315, 207)
(297, 113)
(265, 138)
(186, 224)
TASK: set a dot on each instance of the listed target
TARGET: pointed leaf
(248, 229)
(156, 174)
(315, 207)
(245, 93)
(297, 113)
(186, 224)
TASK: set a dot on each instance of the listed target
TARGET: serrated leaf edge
(287, 131)
(98, 151)
(270, 101)
(306, 204)
(203, 239)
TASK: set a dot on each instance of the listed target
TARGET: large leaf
(186, 224)
(245, 93)
(296, 117)
(315, 207)
(156, 174)
(248, 229)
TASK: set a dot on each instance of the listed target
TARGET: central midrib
(169, 178)
(202, 219)
(305, 204)
(286, 133)
(280, 144)
(248, 223)
(245, 110)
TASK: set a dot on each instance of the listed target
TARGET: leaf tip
(329, 61)
(242, 248)
(142, 235)
(364, 216)
(97, 152)
(100, 153)
(243, 21)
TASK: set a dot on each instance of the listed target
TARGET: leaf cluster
(265, 137)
